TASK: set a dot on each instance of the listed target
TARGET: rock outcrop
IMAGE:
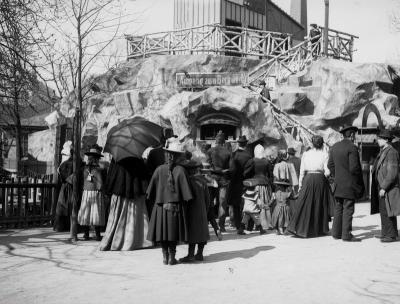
(325, 95)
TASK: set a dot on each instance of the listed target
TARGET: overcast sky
(368, 19)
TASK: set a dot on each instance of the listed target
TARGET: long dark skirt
(311, 213)
(127, 225)
(63, 208)
(168, 225)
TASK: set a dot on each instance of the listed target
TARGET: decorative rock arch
(371, 108)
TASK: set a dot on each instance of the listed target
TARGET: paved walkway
(38, 266)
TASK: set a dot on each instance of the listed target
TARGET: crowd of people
(169, 197)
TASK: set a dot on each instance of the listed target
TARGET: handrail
(127, 36)
(338, 32)
(214, 38)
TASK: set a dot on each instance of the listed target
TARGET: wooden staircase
(280, 67)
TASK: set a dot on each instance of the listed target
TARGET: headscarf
(259, 151)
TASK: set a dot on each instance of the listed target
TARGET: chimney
(298, 10)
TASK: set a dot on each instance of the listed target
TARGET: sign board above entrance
(205, 80)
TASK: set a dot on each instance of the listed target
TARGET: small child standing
(92, 210)
(281, 214)
(196, 213)
(251, 210)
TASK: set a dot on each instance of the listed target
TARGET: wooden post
(3, 199)
(266, 14)
(351, 48)
(25, 190)
(326, 29)
(34, 207)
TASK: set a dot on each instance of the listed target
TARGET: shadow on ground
(370, 231)
(31, 238)
(229, 255)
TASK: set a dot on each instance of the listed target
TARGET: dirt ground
(39, 266)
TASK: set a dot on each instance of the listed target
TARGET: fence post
(34, 194)
(3, 199)
(19, 202)
(26, 192)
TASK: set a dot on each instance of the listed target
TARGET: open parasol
(131, 137)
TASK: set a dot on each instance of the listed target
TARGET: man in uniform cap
(344, 165)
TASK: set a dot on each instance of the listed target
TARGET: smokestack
(298, 10)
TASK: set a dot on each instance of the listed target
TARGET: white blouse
(314, 160)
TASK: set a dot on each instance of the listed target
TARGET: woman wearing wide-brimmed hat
(92, 209)
(385, 190)
(312, 210)
(169, 189)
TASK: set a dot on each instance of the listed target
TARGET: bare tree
(80, 26)
(19, 81)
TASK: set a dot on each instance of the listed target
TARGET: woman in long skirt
(92, 209)
(263, 174)
(170, 190)
(312, 210)
(128, 222)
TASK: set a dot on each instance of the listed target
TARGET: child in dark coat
(196, 213)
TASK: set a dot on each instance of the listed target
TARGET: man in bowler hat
(241, 167)
(385, 192)
(344, 164)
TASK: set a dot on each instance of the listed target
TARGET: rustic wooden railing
(340, 44)
(231, 40)
(212, 38)
(26, 202)
(287, 63)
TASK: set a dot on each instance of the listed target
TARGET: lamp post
(326, 38)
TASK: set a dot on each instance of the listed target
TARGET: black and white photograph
(199, 151)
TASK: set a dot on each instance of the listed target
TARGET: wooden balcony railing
(214, 38)
(231, 40)
(340, 44)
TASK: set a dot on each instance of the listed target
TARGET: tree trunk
(77, 138)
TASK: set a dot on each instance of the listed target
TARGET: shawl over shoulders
(159, 192)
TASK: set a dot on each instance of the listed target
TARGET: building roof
(32, 113)
(286, 14)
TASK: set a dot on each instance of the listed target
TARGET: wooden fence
(26, 201)
(211, 38)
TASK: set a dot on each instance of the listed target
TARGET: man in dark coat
(218, 158)
(385, 192)
(315, 35)
(265, 91)
(241, 167)
(344, 164)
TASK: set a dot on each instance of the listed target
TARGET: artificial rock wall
(327, 94)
